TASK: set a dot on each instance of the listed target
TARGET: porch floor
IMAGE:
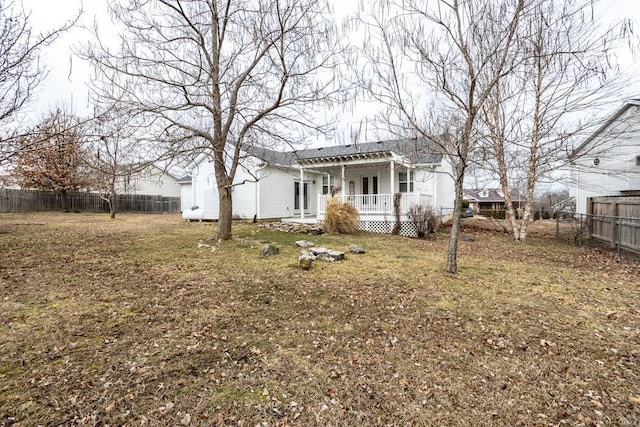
(306, 220)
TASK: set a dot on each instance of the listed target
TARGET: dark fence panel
(39, 201)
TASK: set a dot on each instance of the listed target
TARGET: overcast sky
(66, 82)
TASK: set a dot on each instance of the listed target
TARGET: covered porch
(367, 180)
(376, 206)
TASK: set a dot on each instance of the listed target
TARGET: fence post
(557, 224)
(614, 223)
(619, 237)
(589, 216)
(583, 224)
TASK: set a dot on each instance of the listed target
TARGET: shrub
(491, 213)
(341, 217)
(424, 218)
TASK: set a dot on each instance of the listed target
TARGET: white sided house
(152, 181)
(607, 163)
(295, 185)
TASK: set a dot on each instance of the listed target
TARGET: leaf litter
(126, 322)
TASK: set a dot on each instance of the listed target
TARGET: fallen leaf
(186, 420)
(634, 399)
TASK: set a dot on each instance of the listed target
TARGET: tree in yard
(232, 73)
(50, 157)
(20, 69)
(115, 153)
(562, 65)
(428, 63)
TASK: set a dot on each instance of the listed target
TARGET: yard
(129, 322)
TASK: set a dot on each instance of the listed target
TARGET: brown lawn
(128, 322)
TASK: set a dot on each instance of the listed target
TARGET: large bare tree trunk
(225, 213)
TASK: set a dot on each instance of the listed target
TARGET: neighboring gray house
(295, 185)
(607, 163)
(491, 199)
(152, 180)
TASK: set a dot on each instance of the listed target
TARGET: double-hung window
(405, 182)
(328, 184)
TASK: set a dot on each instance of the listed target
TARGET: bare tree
(115, 153)
(562, 67)
(232, 73)
(20, 69)
(428, 63)
(50, 157)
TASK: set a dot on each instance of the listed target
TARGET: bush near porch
(128, 322)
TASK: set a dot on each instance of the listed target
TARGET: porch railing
(377, 203)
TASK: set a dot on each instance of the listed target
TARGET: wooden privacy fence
(38, 201)
(615, 220)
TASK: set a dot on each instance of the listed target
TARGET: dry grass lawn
(129, 322)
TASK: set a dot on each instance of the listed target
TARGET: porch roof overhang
(353, 159)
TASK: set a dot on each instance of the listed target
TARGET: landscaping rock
(304, 244)
(305, 260)
(355, 249)
(293, 227)
(268, 250)
(324, 254)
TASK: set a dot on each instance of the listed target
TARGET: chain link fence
(619, 233)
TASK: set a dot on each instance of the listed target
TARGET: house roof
(416, 150)
(628, 104)
(281, 158)
(184, 180)
(490, 195)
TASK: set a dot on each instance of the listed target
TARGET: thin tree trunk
(452, 253)
(113, 204)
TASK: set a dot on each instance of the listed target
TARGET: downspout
(257, 191)
(193, 187)
(435, 187)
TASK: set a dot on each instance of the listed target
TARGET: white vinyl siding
(615, 170)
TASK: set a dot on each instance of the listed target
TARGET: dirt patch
(127, 322)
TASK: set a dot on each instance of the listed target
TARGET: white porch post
(301, 193)
(392, 177)
(343, 183)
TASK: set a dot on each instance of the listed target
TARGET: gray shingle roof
(415, 150)
(491, 195)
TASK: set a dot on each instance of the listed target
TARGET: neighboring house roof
(490, 195)
(628, 104)
(141, 167)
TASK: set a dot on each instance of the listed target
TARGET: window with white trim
(328, 184)
(405, 182)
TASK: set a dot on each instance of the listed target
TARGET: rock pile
(294, 227)
(306, 258)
